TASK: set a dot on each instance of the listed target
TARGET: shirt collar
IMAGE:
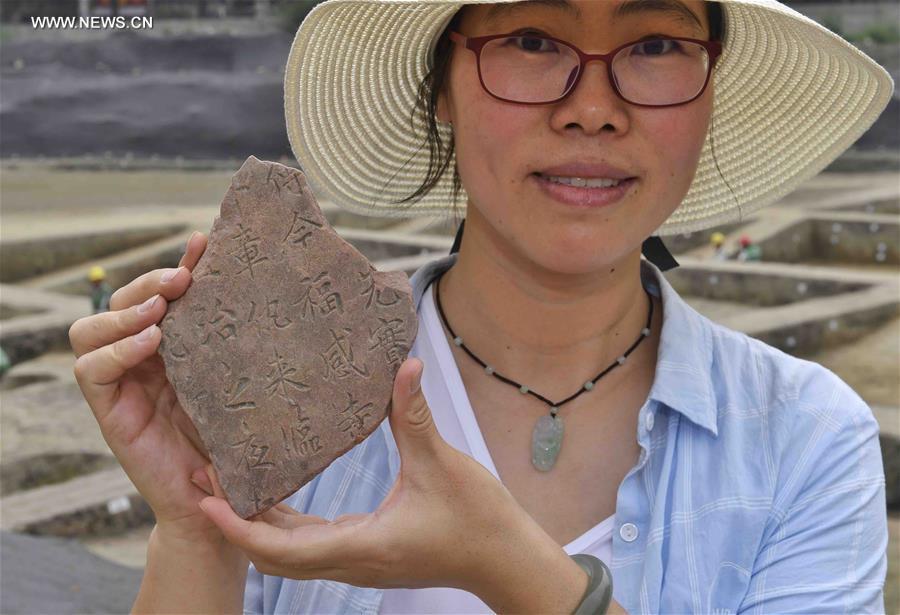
(683, 377)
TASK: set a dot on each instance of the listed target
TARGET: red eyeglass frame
(476, 43)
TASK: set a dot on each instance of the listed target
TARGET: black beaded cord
(554, 407)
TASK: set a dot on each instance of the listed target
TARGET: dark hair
(434, 81)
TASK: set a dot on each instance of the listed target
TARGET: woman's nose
(594, 102)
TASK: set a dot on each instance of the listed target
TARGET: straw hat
(790, 97)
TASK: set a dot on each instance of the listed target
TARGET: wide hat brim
(790, 97)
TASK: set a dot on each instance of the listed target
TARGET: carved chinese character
(283, 178)
(234, 391)
(219, 320)
(382, 297)
(299, 441)
(247, 251)
(273, 314)
(279, 378)
(352, 417)
(253, 450)
(301, 229)
(172, 342)
(391, 337)
(338, 358)
(318, 298)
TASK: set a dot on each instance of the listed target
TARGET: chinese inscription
(282, 354)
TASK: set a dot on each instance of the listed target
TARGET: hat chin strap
(653, 249)
(458, 239)
(658, 254)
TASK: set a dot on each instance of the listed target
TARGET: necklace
(547, 436)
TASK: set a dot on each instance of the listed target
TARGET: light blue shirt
(759, 488)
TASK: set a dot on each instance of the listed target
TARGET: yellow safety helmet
(96, 274)
(717, 238)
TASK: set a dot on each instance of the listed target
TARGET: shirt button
(628, 532)
(648, 421)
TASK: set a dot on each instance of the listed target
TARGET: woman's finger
(98, 372)
(285, 508)
(170, 283)
(281, 515)
(92, 332)
(289, 519)
(200, 480)
(196, 245)
(213, 478)
(277, 511)
(313, 544)
(350, 519)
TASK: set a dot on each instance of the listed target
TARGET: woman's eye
(533, 43)
(656, 47)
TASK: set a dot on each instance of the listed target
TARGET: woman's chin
(583, 261)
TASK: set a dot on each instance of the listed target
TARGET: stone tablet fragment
(284, 349)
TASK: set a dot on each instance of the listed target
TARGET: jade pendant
(546, 442)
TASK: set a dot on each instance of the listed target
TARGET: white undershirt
(443, 389)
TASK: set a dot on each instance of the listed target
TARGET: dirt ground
(128, 549)
(871, 365)
(31, 189)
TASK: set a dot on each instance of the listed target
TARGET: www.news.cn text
(94, 22)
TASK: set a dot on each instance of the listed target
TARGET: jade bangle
(598, 594)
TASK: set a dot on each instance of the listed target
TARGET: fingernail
(417, 378)
(147, 305)
(201, 486)
(146, 334)
(168, 275)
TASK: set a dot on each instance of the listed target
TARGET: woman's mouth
(584, 192)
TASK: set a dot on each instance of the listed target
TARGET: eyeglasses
(534, 69)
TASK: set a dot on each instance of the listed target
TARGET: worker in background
(717, 239)
(749, 250)
(5, 363)
(100, 290)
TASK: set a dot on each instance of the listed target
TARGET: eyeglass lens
(533, 69)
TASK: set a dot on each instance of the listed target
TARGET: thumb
(410, 417)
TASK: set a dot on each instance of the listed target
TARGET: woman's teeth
(581, 182)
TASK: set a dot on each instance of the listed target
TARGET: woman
(711, 472)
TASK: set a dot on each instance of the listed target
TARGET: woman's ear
(441, 112)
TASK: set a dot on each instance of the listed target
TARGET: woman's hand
(445, 522)
(124, 381)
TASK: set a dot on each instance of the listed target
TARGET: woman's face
(500, 145)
